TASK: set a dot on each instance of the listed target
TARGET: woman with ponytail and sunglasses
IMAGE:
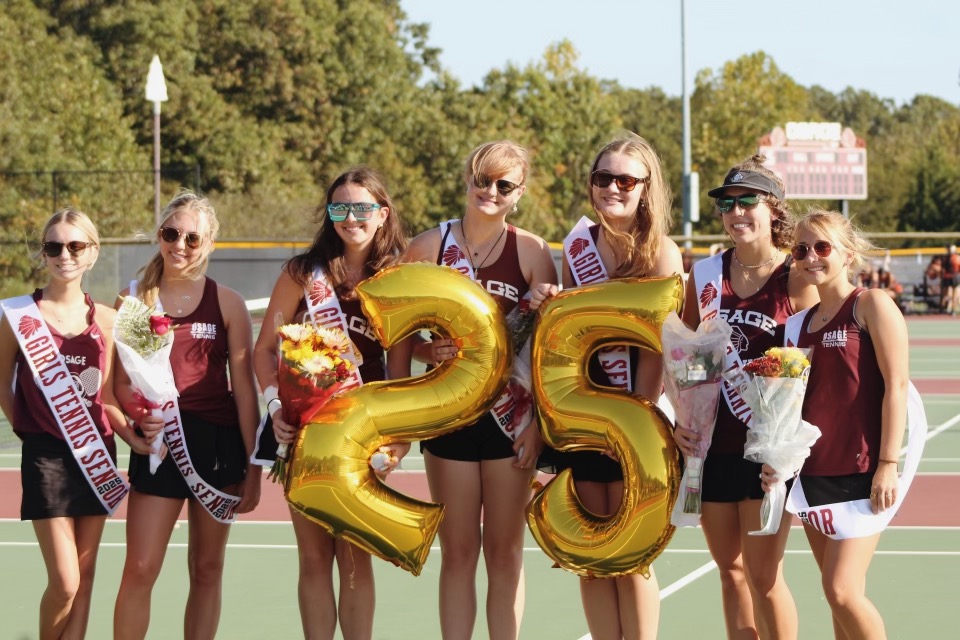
(755, 287)
(479, 468)
(360, 233)
(67, 424)
(209, 428)
(632, 202)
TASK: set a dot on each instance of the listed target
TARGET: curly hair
(782, 223)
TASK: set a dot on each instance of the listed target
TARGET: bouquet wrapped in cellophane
(144, 340)
(310, 371)
(692, 374)
(773, 387)
(521, 321)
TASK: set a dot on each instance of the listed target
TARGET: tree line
(271, 100)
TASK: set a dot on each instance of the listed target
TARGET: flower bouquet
(773, 387)
(144, 339)
(311, 370)
(693, 364)
(520, 322)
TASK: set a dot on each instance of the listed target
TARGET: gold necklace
(476, 268)
(772, 257)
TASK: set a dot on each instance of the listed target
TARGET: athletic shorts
(586, 466)
(483, 440)
(216, 453)
(53, 484)
(730, 478)
(821, 490)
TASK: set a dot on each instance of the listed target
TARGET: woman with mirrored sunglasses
(57, 494)
(479, 468)
(632, 202)
(360, 233)
(218, 411)
(860, 362)
(755, 287)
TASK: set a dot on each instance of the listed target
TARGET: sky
(893, 48)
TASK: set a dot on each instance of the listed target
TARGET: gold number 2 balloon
(577, 415)
(330, 480)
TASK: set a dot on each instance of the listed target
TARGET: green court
(912, 580)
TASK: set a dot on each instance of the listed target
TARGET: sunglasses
(504, 187)
(171, 234)
(55, 249)
(603, 179)
(362, 211)
(822, 249)
(725, 204)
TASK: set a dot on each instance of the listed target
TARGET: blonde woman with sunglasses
(216, 416)
(67, 424)
(860, 357)
(478, 468)
(755, 287)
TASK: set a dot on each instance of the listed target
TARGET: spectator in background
(867, 277)
(948, 283)
(885, 280)
(932, 280)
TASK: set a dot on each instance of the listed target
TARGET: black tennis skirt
(53, 484)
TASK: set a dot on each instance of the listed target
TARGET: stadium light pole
(156, 93)
(691, 180)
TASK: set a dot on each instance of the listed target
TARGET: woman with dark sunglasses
(60, 336)
(215, 418)
(632, 202)
(860, 362)
(360, 233)
(755, 287)
(479, 468)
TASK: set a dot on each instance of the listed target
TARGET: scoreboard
(817, 160)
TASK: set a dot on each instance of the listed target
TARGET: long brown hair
(327, 249)
(639, 246)
(148, 288)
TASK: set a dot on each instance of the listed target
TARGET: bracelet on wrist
(270, 402)
(888, 461)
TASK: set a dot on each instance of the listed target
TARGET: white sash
(708, 274)
(221, 506)
(324, 310)
(855, 519)
(586, 267)
(453, 256)
(66, 403)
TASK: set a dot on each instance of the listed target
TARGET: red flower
(764, 366)
(160, 324)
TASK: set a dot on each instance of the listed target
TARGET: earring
(514, 207)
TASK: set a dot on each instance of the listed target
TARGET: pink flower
(160, 324)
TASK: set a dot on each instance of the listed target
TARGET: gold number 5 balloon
(330, 480)
(576, 415)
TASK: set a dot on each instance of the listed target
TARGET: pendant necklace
(476, 268)
(183, 300)
(772, 257)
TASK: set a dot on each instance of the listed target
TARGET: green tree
(730, 110)
(59, 112)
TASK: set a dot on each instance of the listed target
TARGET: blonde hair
(639, 246)
(186, 201)
(493, 159)
(838, 228)
(75, 218)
